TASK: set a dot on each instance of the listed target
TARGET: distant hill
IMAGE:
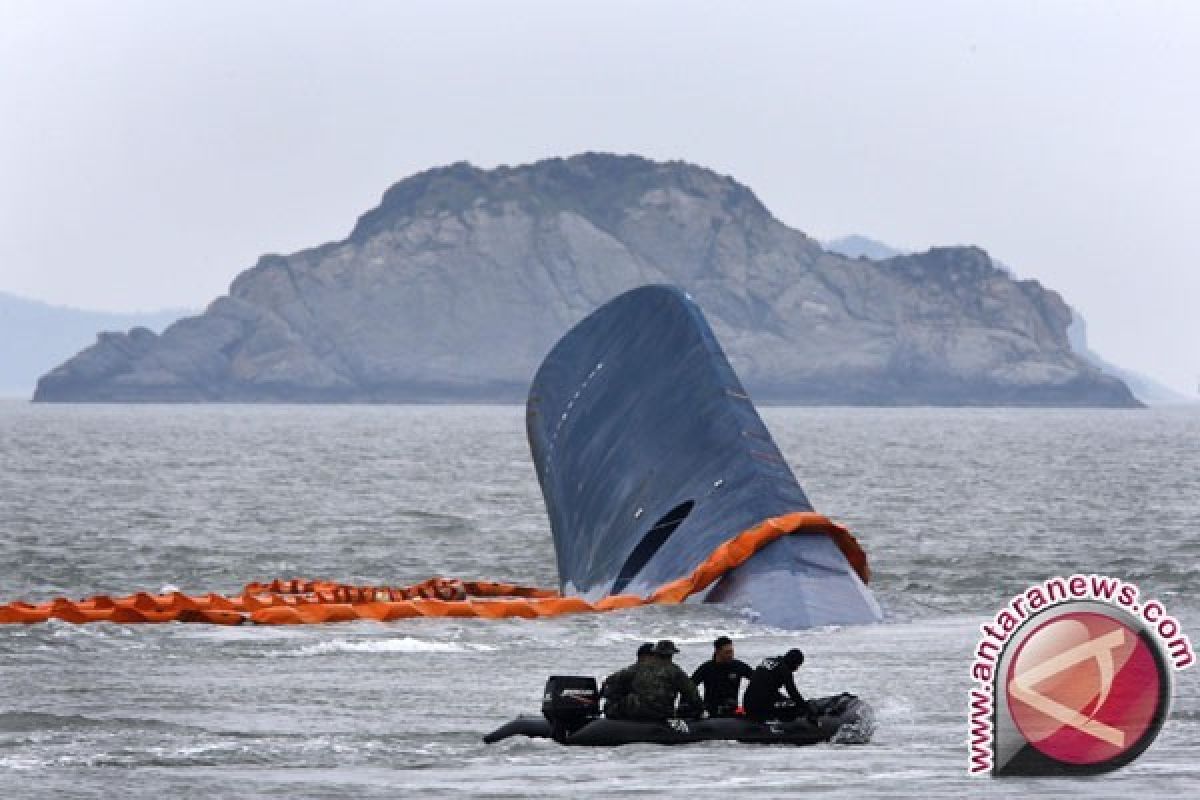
(856, 246)
(1147, 390)
(459, 282)
(35, 336)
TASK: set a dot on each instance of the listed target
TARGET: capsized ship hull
(650, 455)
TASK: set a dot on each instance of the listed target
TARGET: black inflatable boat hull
(851, 723)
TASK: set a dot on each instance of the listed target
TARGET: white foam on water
(406, 644)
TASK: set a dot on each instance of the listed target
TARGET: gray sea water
(957, 509)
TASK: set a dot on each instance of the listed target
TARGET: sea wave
(405, 644)
(34, 721)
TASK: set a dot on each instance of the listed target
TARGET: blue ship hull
(650, 455)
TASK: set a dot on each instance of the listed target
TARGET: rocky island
(459, 282)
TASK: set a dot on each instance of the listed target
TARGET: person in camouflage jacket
(616, 687)
(656, 683)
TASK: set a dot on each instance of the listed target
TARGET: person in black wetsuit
(764, 700)
(721, 678)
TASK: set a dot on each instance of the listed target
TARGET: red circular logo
(1085, 688)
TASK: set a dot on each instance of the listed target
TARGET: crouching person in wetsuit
(616, 687)
(764, 700)
(655, 685)
(721, 677)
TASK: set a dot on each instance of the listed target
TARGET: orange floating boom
(307, 602)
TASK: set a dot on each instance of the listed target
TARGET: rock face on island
(457, 285)
(36, 335)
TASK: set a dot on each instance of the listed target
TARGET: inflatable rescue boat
(571, 716)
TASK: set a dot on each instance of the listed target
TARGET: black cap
(665, 647)
(793, 658)
(645, 649)
(721, 641)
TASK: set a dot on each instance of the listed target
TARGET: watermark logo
(1073, 677)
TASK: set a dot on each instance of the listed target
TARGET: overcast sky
(150, 151)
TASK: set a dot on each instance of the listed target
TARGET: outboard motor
(569, 703)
